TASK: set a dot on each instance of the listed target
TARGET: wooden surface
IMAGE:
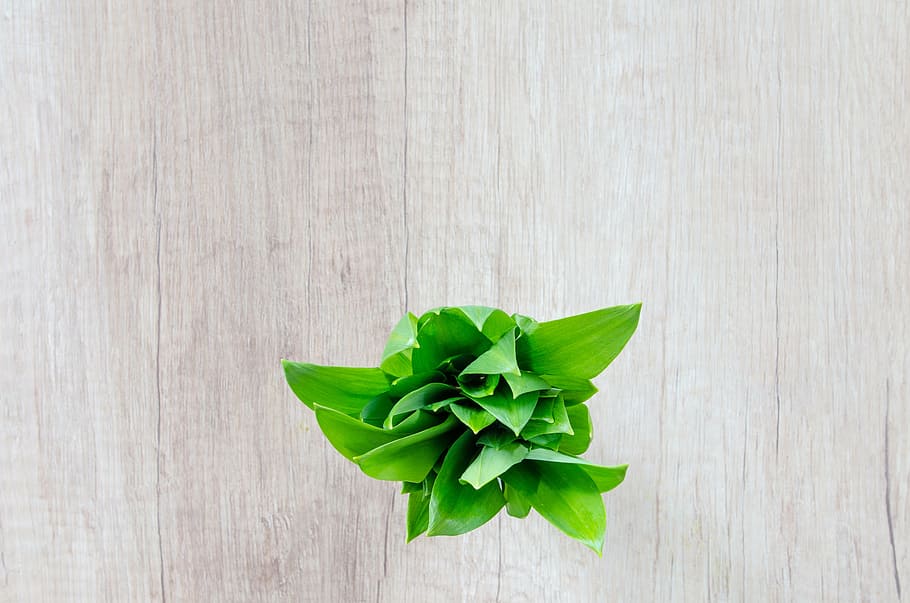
(190, 191)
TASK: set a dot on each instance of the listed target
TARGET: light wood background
(190, 191)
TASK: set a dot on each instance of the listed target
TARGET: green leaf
(446, 402)
(526, 324)
(478, 385)
(398, 365)
(606, 478)
(403, 336)
(558, 421)
(419, 508)
(352, 437)
(565, 496)
(516, 504)
(418, 514)
(477, 314)
(408, 487)
(496, 438)
(498, 359)
(544, 409)
(405, 385)
(574, 390)
(578, 346)
(475, 418)
(344, 389)
(550, 440)
(396, 357)
(418, 399)
(410, 458)
(456, 508)
(497, 324)
(524, 383)
(580, 419)
(444, 336)
(376, 410)
(514, 414)
(493, 462)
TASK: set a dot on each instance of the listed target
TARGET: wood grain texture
(191, 191)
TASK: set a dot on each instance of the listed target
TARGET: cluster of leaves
(475, 410)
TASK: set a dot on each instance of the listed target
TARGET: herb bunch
(475, 410)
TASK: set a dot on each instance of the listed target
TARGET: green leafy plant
(475, 410)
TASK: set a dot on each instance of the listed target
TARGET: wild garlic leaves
(475, 410)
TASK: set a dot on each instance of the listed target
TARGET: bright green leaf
(403, 336)
(574, 390)
(446, 402)
(492, 462)
(565, 496)
(514, 414)
(606, 478)
(526, 324)
(352, 437)
(418, 514)
(418, 399)
(344, 389)
(444, 336)
(456, 508)
(475, 418)
(580, 419)
(578, 346)
(516, 504)
(498, 359)
(524, 383)
(497, 324)
(410, 458)
(549, 440)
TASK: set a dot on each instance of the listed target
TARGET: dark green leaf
(498, 359)
(405, 385)
(421, 398)
(514, 414)
(410, 458)
(478, 385)
(578, 346)
(444, 336)
(497, 437)
(408, 487)
(565, 496)
(492, 462)
(516, 504)
(580, 419)
(475, 418)
(352, 437)
(606, 478)
(376, 410)
(456, 508)
(524, 383)
(344, 389)
(446, 402)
